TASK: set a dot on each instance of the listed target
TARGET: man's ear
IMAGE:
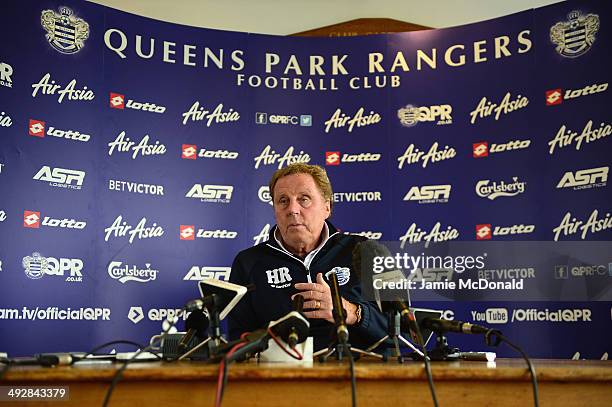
(328, 209)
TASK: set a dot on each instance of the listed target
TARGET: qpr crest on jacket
(342, 273)
(65, 32)
(575, 36)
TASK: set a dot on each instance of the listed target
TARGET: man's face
(300, 211)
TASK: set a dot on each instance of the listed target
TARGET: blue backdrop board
(135, 156)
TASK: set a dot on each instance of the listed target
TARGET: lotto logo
(332, 158)
(480, 149)
(117, 101)
(554, 97)
(483, 232)
(31, 219)
(187, 232)
(36, 128)
(189, 152)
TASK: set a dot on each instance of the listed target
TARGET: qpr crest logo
(575, 36)
(408, 115)
(343, 274)
(65, 32)
(35, 266)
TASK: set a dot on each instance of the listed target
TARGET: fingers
(321, 280)
(320, 314)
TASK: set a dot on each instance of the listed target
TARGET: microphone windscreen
(198, 321)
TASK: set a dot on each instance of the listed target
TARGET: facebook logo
(306, 120)
(261, 118)
(561, 272)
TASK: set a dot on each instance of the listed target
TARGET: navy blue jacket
(274, 272)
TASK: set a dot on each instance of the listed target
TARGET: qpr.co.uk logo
(37, 266)
(482, 149)
(190, 152)
(411, 115)
(61, 177)
(188, 232)
(557, 96)
(264, 194)
(585, 179)
(335, 158)
(66, 33)
(304, 120)
(486, 232)
(486, 189)
(117, 101)
(31, 220)
(124, 273)
(343, 274)
(575, 36)
(211, 193)
(199, 273)
(6, 71)
(429, 194)
(37, 128)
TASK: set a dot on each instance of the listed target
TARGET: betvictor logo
(117, 101)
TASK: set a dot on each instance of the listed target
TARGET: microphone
(195, 325)
(293, 328)
(442, 325)
(338, 312)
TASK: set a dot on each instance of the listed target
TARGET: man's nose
(294, 206)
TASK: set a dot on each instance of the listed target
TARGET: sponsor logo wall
(121, 193)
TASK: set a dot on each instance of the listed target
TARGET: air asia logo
(566, 137)
(46, 86)
(486, 108)
(190, 152)
(279, 278)
(199, 273)
(341, 120)
(575, 36)
(415, 234)
(5, 75)
(482, 149)
(211, 193)
(366, 196)
(585, 179)
(264, 194)
(342, 273)
(429, 194)
(66, 33)
(187, 232)
(61, 177)
(304, 120)
(5, 120)
(36, 267)
(117, 101)
(123, 144)
(124, 273)
(271, 157)
(410, 115)
(556, 96)
(136, 188)
(36, 128)
(486, 231)
(570, 225)
(486, 189)
(121, 228)
(333, 157)
(31, 220)
(217, 116)
(413, 155)
(262, 236)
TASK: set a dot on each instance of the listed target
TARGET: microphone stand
(215, 339)
(395, 333)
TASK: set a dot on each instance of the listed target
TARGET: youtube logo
(480, 149)
(117, 101)
(332, 158)
(483, 232)
(36, 128)
(187, 232)
(554, 97)
(189, 152)
(31, 219)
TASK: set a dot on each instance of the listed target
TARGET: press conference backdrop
(135, 154)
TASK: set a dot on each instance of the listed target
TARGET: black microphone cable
(493, 337)
(353, 379)
(426, 360)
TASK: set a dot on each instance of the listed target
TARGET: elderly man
(301, 248)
